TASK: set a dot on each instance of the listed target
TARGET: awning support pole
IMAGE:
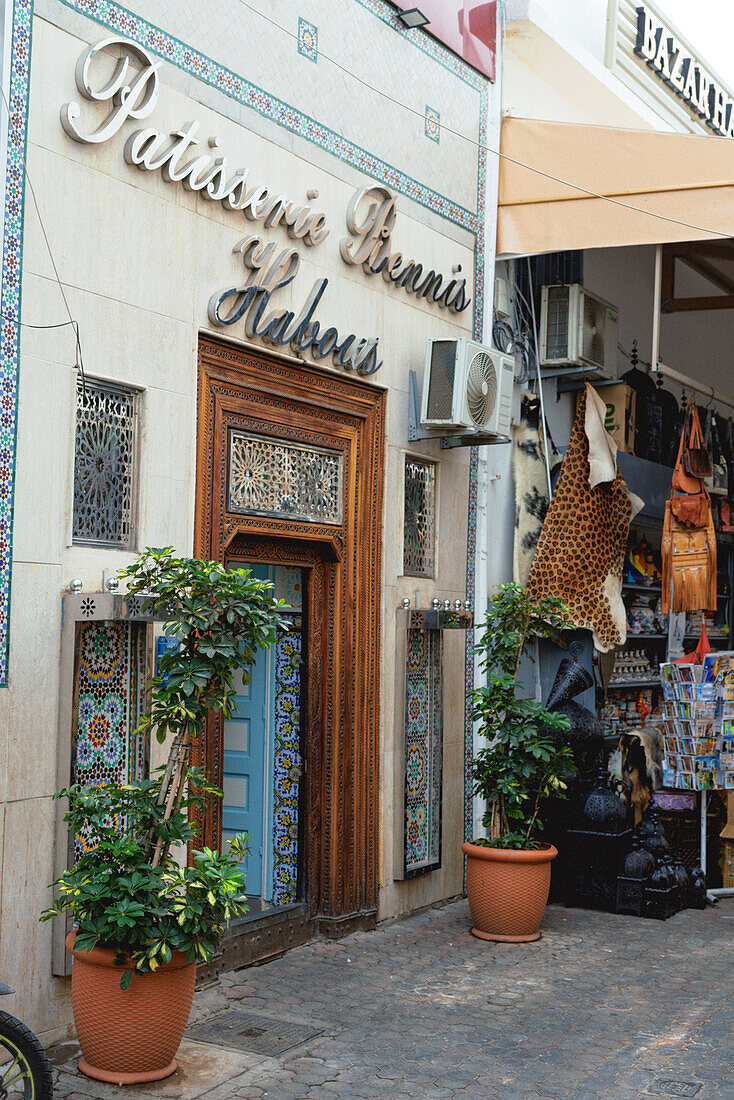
(660, 368)
(546, 452)
(691, 384)
(656, 305)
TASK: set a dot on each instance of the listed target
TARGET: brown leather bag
(683, 482)
(689, 565)
(691, 509)
(696, 459)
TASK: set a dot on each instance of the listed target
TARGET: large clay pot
(129, 1035)
(508, 891)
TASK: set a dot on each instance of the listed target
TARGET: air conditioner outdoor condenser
(578, 329)
(467, 386)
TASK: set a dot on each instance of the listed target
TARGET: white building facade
(245, 397)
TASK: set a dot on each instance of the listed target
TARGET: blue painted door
(247, 769)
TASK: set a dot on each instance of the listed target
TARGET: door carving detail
(241, 391)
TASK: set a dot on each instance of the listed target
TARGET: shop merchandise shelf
(643, 589)
(653, 681)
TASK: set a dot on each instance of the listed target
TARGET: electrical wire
(496, 152)
(62, 324)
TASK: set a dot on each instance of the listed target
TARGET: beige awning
(689, 178)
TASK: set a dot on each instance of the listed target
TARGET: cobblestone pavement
(601, 1006)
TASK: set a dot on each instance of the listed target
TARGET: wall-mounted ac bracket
(464, 439)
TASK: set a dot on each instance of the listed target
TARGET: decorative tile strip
(308, 40)
(20, 54)
(432, 126)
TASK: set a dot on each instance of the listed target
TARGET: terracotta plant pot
(129, 1035)
(508, 891)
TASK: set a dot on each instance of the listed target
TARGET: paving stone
(599, 1007)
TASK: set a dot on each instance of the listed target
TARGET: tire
(17, 1042)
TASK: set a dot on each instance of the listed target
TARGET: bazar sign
(682, 72)
(129, 85)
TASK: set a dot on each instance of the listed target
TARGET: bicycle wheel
(25, 1071)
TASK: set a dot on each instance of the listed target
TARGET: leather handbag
(682, 481)
(689, 565)
(718, 483)
(696, 459)
(691, 509)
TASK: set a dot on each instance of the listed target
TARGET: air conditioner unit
(467, 386)
(578, 329)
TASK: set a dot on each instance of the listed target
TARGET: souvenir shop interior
(623, 353)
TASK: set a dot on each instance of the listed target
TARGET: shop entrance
(262, 757)
(290, 473)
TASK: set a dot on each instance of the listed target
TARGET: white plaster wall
(139, 259)
(698, 344)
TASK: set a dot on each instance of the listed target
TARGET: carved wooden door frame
(242, 389)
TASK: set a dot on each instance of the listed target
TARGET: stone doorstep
(201, 1069)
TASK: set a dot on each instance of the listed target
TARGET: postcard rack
(698, 732)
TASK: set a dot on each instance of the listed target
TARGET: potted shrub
(142, 918)
(508, 871)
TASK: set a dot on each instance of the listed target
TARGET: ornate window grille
(105, 462)
(271, 477)
(419, 517)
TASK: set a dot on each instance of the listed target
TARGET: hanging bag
(693, 507)
(696, 459)
(689, 539)
(718, 483)
(689, 564)
(682, 481)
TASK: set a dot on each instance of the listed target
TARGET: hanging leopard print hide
(531, 483)
(580, 555)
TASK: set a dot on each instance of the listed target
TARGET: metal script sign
(683, 73)
(123, 77)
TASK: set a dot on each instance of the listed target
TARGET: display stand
(722, 891)
(698, 717)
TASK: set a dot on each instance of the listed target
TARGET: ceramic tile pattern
(218, 36)
(432, 128)
(287, 760)
(365, 56)
(111, 688)
(10, 299)
(308, 40)
(423, 730)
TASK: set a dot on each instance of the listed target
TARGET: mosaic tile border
(286, 763)
(113, 16)
(20, 63)
(189, 60)
(471, 547)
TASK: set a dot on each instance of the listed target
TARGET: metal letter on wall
(423, 751)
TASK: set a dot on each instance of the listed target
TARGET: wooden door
(244, 396)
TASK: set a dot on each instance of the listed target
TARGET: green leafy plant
(144, 913)
(520, 764)
(217, 619)
(127, 891)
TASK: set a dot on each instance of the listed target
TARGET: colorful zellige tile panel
(423, 734)
(287, 760)
(110, 693)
